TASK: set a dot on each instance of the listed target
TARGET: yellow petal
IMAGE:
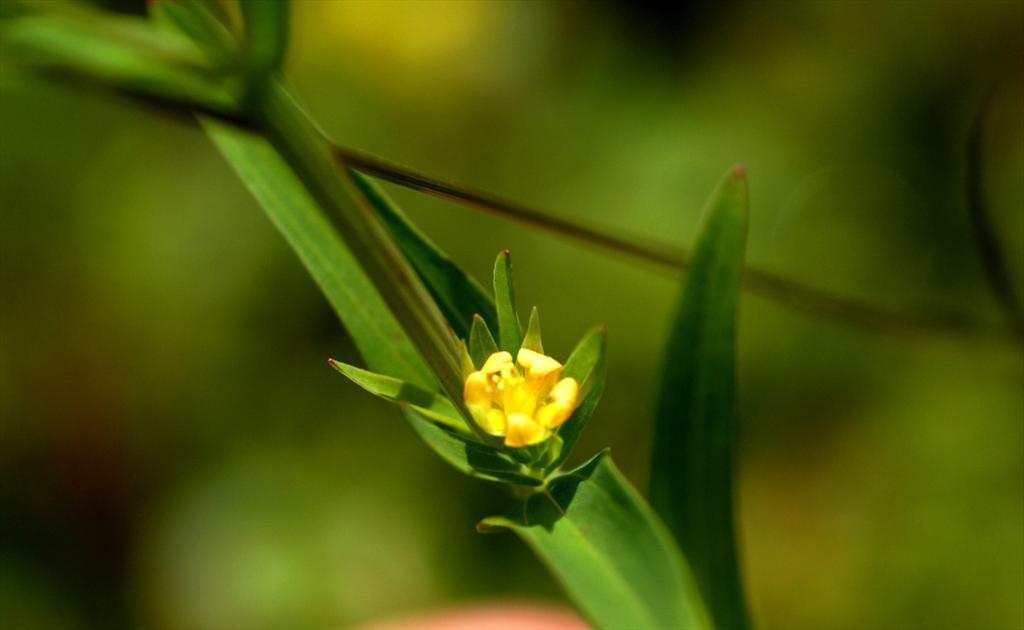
(477, 390)
(541, 370)
(496, 362)
(561, 403)
(565, 392)
(491, 420)
(522, 430)
(537, 363)
(479, 413)
(553, 414)
(496, 422)
(504, 397)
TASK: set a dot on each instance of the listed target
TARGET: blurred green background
(175, 452)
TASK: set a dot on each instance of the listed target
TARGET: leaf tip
(492, 525)
(739, 171)
(342, 368)
(506, 253)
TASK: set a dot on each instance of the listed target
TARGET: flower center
(522, 400)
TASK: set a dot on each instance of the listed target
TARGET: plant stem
(293, 134)
(790, 293)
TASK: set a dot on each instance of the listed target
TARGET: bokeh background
(175, 452)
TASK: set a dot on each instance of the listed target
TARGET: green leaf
(586, 356)
(472, 458)
(428, 404)
(458, 294)
(481, 343)
(266, 35)
(532, 340)
(380, 340)
(301, 144)
(194, 19)
(128, 53)
(587, 364)
(510, 332)
(696, 426)
(378, 337)
(467, 361)
(608, 549)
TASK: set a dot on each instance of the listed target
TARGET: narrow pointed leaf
(426, 403)
(458, 294)
(588, 365)
(481, 343)
(587, 354)
(375, 330)
(608, 549)
(129, 53)
(266, 35)
(510, 332)
(378, 337)
(532, 340)
(194, 19)
(696, 427)
(467, 360)
(297, 139)
(470, 457)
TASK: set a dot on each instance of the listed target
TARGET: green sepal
(456, 292)
(433, 406)
(510, 332)
(529, 455)
(554, 451)
(532, 340)
(466, 359)
(587, 354)
(588, 365)
(470, 457)
(481, 343)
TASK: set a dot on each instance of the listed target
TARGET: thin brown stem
(792, 294)
(478, 199)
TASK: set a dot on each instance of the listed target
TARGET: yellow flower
(522, 401)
